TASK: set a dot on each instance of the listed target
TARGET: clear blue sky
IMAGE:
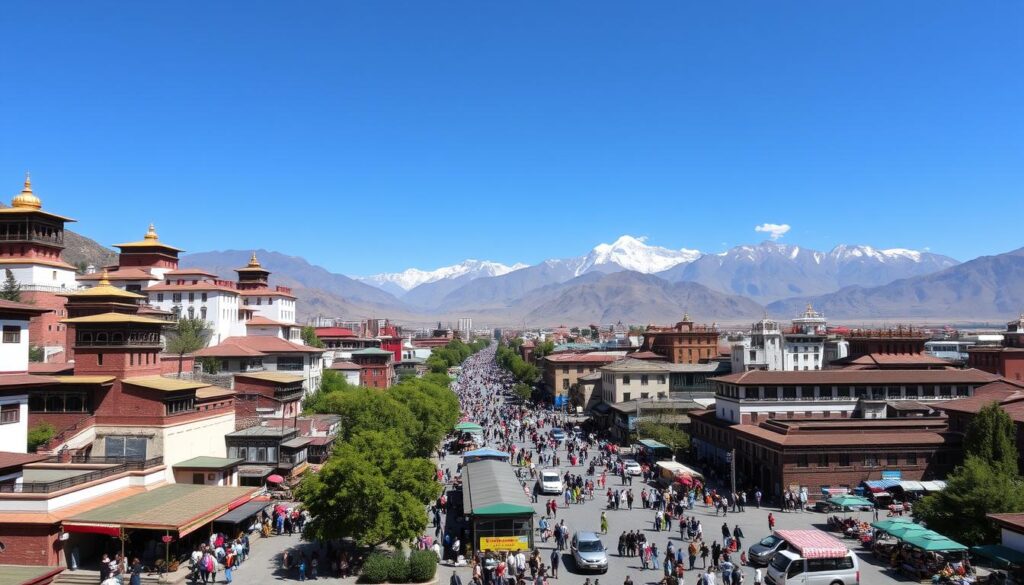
(373, 136)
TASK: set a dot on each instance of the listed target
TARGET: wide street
(753, 523)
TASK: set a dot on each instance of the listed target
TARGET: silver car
(589, 552)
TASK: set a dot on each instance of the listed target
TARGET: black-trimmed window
(12, 334)
(10, 414)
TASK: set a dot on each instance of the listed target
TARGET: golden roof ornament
(151, 234)
(26, 199)
(253, 262)
(104, 278)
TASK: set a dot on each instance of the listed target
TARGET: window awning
(243, 512)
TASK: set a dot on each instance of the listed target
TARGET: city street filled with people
(649, 531)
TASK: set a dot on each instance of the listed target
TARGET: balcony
(62, 484)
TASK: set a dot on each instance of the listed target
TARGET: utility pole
(732, 468)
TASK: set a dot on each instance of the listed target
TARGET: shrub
(375, 568)
(422, 566)
(40, 435)
(398, 569)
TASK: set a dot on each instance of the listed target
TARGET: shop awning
(179, 508)
(933, 486)
(243, 512)
(255, 471)
(468, 427)
(652, 444)
(878, 485)
(932, 542)
(911, 486)
(884, 525)
(1001, 556)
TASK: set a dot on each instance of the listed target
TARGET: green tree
(972, 491)
(36, 354)
(666, 434)
(991, 437)
(310, 338)
(369, 491)
(11, 290)
(188, 335)
(543, 348)
(523, 391)
(40, 435)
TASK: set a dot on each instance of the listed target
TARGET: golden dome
(26, 199)
(104, 278)
(151, 234)
(253, 262)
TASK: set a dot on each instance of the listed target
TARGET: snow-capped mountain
(631, 253)
(401, 282)
(771, 271)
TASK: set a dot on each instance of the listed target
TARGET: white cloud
(774, 230)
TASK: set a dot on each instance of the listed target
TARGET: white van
(788, 567)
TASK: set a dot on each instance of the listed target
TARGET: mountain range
(632, 281)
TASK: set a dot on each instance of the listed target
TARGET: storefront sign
(893, 474)
(498, 543)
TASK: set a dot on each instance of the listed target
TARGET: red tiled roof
(25, 380)
(898, 358)
(40, 368)
(344, 365)
(1013, 521)
(21, 308)
(1008, 394)
(585, 358)
(8, 459)
(261, 320)
(260, 344)
(646, 355)
(189, 271)
(762, 377)
(266, 292)
(334, 332)
(199, 286)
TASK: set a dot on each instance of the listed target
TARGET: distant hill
(989, 287)
(80, 251)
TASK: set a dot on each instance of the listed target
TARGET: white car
(632, 467)
(550, 481)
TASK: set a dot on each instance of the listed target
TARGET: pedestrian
(455, 579)
(604, 522)
(136, 572)
(758, 576)
(737, 533)
(771, 522)
(554, 564)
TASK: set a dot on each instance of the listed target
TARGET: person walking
(136, 572)
(604, 522)
(771, 522)
(758, 576)
(555, 560)
(737, 533)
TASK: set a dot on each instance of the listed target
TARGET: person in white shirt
(758, 576)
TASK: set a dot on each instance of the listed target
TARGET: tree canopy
(666, 434)
(190, 334)
(509, 358)
(453, 354)
(987, 482)
(11, 290)
(310, 338)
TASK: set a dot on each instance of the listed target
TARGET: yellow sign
(504, 542)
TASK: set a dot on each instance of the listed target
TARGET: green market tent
(904, 531)
(932, 542)
(1001, 557)
(885, 525)
(848, 501)
(468, 427)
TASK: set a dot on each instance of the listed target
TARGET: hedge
(420, 567)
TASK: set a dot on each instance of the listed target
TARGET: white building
(14, 319)
(465, 327)
(633, 379)
(800, 348)
(275, 303)
(258, 353)
(199, 294)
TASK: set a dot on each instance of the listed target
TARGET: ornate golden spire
(26, 199)
(104, 278)
(253, 262)
(151, 234)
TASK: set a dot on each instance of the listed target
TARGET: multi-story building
(376, 367)
(140, 264)
(1009, 394)
(802, 347)
(682, 343)
(198, 294)
(1006, 359)
(275, 303)
(31, 242)
(271, 353)
(14, 378)
(809, 429)
(562, 371)
(630, 379)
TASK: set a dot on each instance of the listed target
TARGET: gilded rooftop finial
(26, 199)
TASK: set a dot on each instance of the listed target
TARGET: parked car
(558, 435)
(589, 552)
(550, 482)
(632, 467)
(761, 553)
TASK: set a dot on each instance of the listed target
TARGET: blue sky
(374, 136)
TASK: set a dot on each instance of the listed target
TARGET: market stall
(928, 555)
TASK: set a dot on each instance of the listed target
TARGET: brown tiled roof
(582, 358)
(121, 274)
(199, 286)
(1008, 394)
(266, 292)
(344, 365)
(334, 332)
(762, 377)
(1014, 521)
(21, 308)
(245, 346)
(261, 320)
(25, 380)
(865, 437)
(41, 368)
(886, 359)
(189, 272)
(8, 459)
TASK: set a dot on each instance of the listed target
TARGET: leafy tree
(543, 348)
(991, 437)
(40, 435)
(973, 490)
(523, 391)
(188, 335)
(211, 365)
(36, 354)
(666, 434)
(369, 491)
(310, 338)
(11, 290)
